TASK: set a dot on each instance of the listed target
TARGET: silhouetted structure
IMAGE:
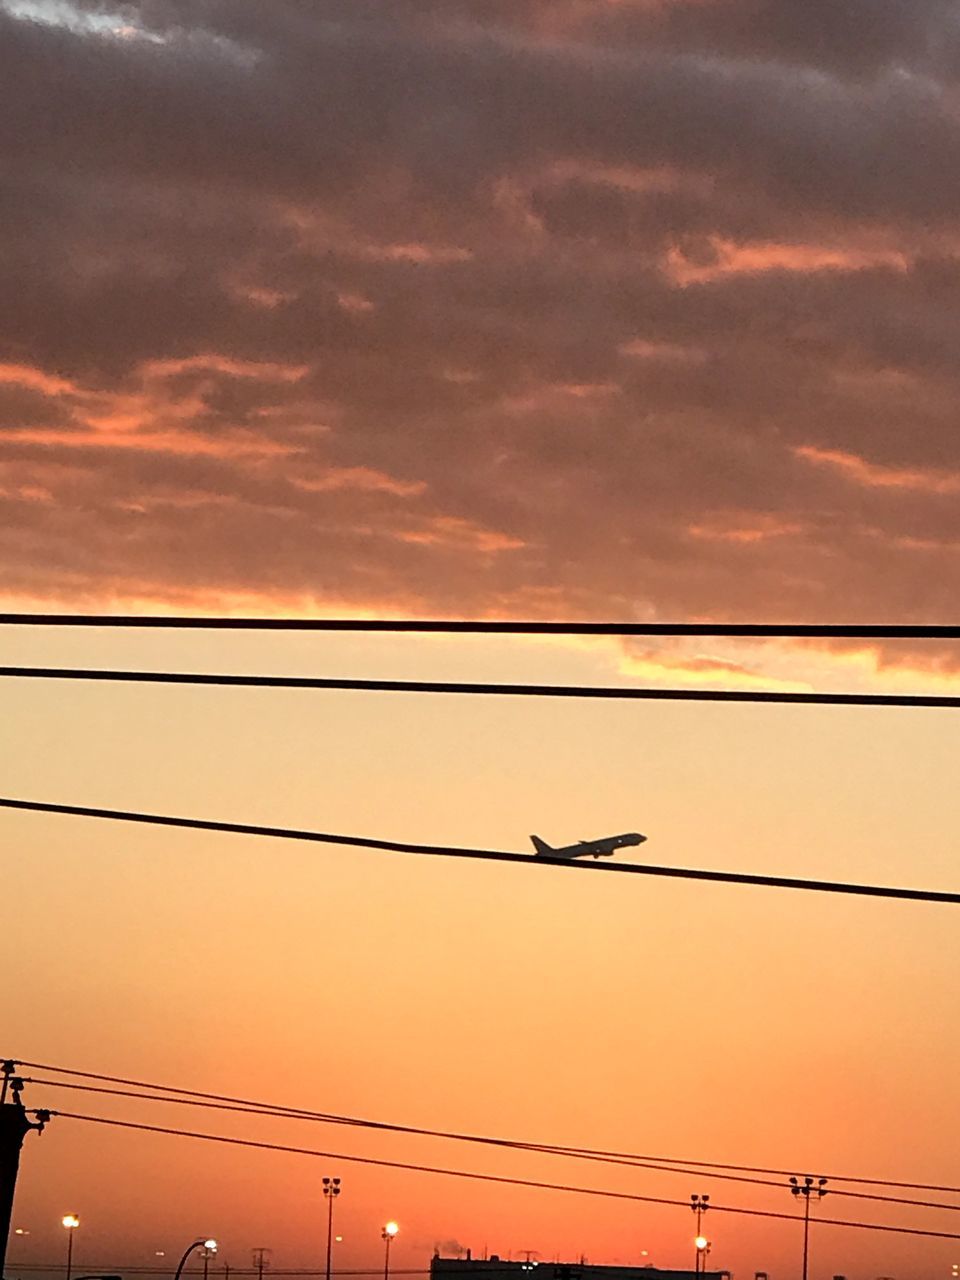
(496, 1268)
(14, 1127)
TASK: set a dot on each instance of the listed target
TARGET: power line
(749, 630)
(657, 1164)
(484, 688)
(234, 1271)
(440, 1133)
(605, 1193)
(487, 855)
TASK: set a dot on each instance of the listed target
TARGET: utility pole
(261, 1260)
(807, 1188)
(14, 1127)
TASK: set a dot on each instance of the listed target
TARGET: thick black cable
(627, 1157)
(485, 855)
(605, 1193)
(443, 626)
(658, 1165)
(614, 693)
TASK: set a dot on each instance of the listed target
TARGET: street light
(209, 1247)
(71, 1221)
(809, 1187)
(389, 1231)
(331, 1189)
(207, 1252)
(699, 1205)
(703, 1248)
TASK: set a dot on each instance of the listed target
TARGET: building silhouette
(496, 1268)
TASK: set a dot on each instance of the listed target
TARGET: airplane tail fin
(541, 846)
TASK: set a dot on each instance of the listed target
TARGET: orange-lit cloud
(358, 478)
(628, 320)
(458, 534)
(873, 476)
(722, 258)
(700, 671)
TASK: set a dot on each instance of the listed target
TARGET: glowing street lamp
(387, 1234)
(70, 1221)
(703, 1248)
(208, 1251)
(209, 1247)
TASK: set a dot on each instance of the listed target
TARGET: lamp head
(71, 1220)
(210, 1246)
(701, 1242)
(390, 1229)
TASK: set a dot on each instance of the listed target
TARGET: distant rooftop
(494, 1267)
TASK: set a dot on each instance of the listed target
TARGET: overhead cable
(484, 855)
(616, 693)
(295, 1112)
(473, 1175)
(450, 626)
(653, 1164)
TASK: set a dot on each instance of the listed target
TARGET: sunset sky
(569, 309)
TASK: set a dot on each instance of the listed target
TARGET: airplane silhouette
(604, 848)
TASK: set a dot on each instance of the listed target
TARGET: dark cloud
(475, 306)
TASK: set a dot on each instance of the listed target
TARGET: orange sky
(497, 308)
(748, 1026)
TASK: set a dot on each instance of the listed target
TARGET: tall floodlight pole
(699, 1205)
(807, 1188)
(331, 1189)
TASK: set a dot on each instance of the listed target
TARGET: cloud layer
(567, 307)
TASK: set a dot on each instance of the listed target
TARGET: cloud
(637, 309)
(861, 472)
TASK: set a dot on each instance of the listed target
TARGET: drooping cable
(657, 1164)
(484, 855)
(474, 1175)
(608, 693)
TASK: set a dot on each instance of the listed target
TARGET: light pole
(331, 1189)
(71, 1221)
(703, 1248)
(387, 1234)
(809, 1187)
(209, 1247)
(207, 1252)
(699, 1205)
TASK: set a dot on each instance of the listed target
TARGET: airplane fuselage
(603, 848)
